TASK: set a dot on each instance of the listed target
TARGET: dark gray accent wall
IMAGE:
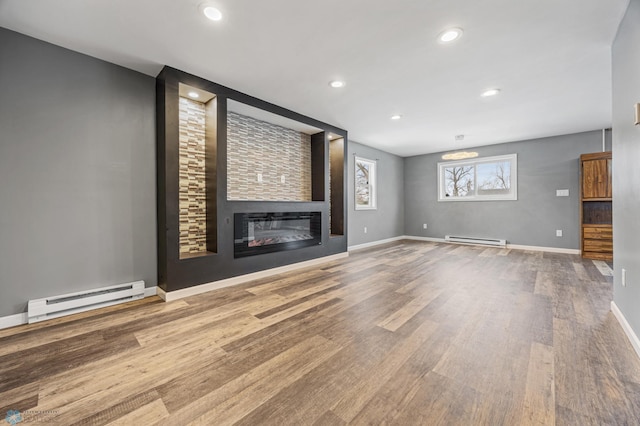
(544, 165)
(387, 221)
(626, 170)
(77, 173)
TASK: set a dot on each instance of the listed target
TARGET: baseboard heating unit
(72, 303)
(477, 241)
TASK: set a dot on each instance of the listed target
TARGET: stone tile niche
(192, 189)
(197, 110)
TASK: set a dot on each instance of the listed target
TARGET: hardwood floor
(407, 333)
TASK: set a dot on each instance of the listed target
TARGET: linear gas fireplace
(258, 233)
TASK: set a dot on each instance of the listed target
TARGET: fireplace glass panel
(258, 233)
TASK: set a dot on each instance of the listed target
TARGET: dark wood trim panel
(211, 174)
(161, 193)
(318, 166)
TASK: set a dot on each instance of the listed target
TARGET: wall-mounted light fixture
(637, 114)
(460, 155)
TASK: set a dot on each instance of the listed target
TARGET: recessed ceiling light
(212, 13)
(490, 92)
(447, 36)
(336, 84)
(193, 95)
(396, 117)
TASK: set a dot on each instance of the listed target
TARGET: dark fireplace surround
(259, 233)
(325, 216)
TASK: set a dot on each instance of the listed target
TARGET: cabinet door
(595, 178)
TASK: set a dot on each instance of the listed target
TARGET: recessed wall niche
(268, 156)
(336, 185)
(197, 154)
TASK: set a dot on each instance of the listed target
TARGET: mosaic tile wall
(192, 192)
(257, 147)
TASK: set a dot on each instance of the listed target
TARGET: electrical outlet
(424, 226)
(623, 277)
(558, 232)
(259, 177)
(282, 179)
(562, 192)
(365, 229)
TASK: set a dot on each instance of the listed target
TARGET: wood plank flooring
(410, 333)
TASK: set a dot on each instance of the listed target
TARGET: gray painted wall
(387, 220)
(626, 173)
(544, 165)
(77, 166)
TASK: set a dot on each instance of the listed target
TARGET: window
(365, 184)
(489, 178)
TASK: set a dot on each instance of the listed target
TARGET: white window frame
(513, 195)
(373, 187)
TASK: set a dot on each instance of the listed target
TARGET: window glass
(479, 179)
(365, 184)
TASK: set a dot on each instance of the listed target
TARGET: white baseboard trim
(150, 291)
(509, 246)
(375, 243)
(415, 238)
(13, 320)
(631, 335)
(547, 249)
(21, 319)
(228, 282)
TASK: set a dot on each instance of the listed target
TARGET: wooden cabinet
(596, 175)
(596, 206)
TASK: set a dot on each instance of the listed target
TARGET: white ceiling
(550, 58)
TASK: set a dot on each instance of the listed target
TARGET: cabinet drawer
(597, 233)
(597, 256)
(598, 245)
